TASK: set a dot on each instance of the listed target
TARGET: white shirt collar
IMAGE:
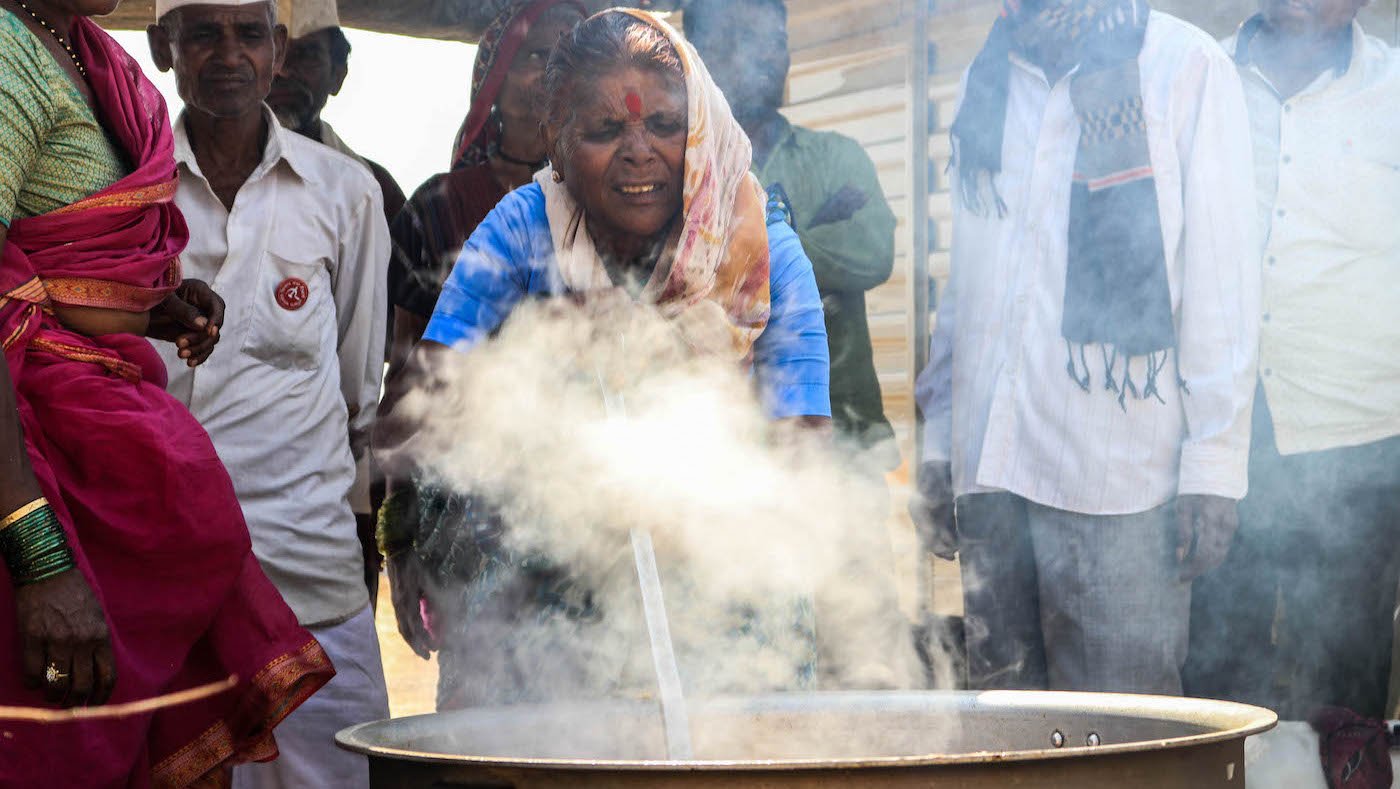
(279, 148)
(1349, 66)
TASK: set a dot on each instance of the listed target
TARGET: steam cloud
(749, 531)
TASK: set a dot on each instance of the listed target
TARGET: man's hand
(1205, 528)
(408, 589)
(839, 207)
(931, 508)
(65, 646)
(191, 317)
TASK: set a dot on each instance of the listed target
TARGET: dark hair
(599, 45)
(339, 46)
(700, 14)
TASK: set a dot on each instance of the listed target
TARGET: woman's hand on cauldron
(408, 590)
(191, 317)
(931, 509)
(66, 648)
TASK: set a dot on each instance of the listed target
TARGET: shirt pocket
(291, 315)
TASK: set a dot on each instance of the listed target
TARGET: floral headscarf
(718, 274)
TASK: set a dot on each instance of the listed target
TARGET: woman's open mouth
(640, 189)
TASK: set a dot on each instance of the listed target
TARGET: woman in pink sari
(128, 572)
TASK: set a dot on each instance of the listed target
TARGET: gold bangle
(27, 509)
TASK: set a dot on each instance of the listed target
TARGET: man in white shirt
(1088, 397)
(293, 233)
(1300, 615)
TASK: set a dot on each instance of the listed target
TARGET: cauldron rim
(1229, 721)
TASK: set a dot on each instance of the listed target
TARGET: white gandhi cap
(302, 17)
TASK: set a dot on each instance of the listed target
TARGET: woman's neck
(628, 251)
(58, 19)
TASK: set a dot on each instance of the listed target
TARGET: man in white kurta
(292, 234)
(1301, 614)
(1086, 497)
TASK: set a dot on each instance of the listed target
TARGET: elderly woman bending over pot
(649, 195)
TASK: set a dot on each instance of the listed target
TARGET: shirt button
(1266, 317)
(1282, 212)
(1272, 260)
(1287, 159)
(1268, 373)
(1288, 108)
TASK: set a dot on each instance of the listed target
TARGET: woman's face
(83, 7)
(519, 101)
(623, 153)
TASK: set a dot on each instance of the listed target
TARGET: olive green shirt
(850, 256)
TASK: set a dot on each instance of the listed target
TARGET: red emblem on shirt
(292, 294)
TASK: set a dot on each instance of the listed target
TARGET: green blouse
(53, 152)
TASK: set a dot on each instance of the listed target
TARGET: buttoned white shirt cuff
(1212, 470)
(938, 441)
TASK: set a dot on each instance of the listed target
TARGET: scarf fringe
(970, 189)
(1123, 385)
(1073, 371)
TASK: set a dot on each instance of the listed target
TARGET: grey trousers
(1062, 601)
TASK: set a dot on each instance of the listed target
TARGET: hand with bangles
(66, 646)
(191, 317)
(64, 640)
(408, 582)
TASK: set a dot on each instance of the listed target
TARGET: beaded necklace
(63, 42)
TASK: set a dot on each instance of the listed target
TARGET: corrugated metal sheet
(450, 20)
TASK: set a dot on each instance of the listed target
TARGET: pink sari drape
(148, 506)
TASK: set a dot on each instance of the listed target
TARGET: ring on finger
(53, 676)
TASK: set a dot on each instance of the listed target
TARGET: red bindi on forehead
(634, 105)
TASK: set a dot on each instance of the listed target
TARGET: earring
(558, 177)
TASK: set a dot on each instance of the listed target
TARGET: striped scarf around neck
(1116, 291)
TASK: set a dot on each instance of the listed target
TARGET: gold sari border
(287, 682)
(105, 294)
(114, 364)
(131, 198)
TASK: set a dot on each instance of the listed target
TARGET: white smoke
(585, 424)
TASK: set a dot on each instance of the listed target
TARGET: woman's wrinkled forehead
(632, 94)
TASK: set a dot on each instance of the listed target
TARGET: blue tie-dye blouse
(511, 255)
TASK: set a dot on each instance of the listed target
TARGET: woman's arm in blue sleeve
(489, 279)
(791, 358)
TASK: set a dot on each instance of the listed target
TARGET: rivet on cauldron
(1093, 740)
(1057, 739)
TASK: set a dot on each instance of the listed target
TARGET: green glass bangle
(396, 528)
(35, 548)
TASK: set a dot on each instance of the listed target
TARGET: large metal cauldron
(917, 739)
